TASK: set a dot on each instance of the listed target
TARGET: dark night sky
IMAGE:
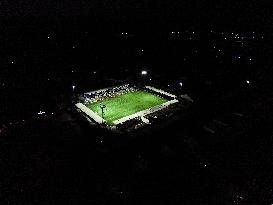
(222, 13)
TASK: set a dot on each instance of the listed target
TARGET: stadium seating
(109, 92)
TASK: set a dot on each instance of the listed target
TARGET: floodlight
(144, 72)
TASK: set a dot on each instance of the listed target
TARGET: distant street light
(247, 82)
(73, 88)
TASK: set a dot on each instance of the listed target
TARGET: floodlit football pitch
(124, 105)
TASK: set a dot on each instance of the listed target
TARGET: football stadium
(125, 106)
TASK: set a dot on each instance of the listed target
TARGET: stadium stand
(98, 95)
(160, 91)
(128, 124)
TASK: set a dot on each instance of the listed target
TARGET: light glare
(144, 72)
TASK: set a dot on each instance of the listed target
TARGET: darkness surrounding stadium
(216, 151)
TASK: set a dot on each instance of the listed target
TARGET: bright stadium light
(144, 72)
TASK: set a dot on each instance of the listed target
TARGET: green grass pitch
(126, 104)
